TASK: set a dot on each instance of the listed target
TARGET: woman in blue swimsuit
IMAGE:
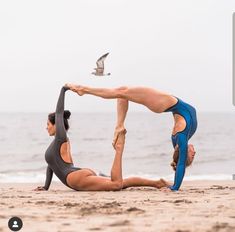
(185, 119)
(59, 160)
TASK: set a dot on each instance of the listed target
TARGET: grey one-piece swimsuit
(55, 162)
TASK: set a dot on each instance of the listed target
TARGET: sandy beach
(198, 206)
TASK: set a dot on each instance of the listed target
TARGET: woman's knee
(122, 91)
(117, 185)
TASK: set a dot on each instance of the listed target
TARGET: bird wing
(100, 61)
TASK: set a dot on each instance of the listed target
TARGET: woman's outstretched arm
(49, 174)
(181, 165)
(59, 116)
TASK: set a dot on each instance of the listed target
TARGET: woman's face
(191, 153)
(50, 128)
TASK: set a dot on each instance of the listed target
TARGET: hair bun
(67, 114)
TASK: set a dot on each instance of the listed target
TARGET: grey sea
(148, 150)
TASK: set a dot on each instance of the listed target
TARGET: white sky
(183, 47)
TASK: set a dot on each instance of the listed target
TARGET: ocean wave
(23, 177)
(95, 139)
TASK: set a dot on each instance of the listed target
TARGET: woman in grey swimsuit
(60, 162)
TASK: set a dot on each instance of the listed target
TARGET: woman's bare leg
(102, 183)
(122, 108)
(116, 171)
(137, 182)
(87, 181)
(92, 182)
(155, 100)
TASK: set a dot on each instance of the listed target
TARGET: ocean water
(148, 149)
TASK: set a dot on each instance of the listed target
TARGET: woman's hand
(39, 188)
(75, 88)
(166, 190)
(71, 87)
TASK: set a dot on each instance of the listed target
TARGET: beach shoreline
(198, 206)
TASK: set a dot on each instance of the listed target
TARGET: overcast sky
(183, 47)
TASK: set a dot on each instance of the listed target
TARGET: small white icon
(15, 225)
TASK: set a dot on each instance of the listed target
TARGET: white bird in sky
(99, 71)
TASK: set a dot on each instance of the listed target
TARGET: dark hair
(51, 118)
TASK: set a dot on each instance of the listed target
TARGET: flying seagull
(99, 71)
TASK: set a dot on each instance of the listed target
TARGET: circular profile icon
(15, 224)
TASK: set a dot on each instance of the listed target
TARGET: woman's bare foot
(117, 132)
(119, 137)
(76, 88)
(162, 183)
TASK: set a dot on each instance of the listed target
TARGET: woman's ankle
(119, 127)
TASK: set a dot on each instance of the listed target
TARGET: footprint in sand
(66, 224)
(88, 210)
(40, 202)
(51, 202)
(218, 187)
(199, 191)
(101, 209)
(183, 201)
(134, 209)
(110, 204)
(222, 226)
(182, 231)
(120, 223)
(95, 228)
(70, 205)
(24, 196)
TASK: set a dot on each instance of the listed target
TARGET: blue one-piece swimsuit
(181, 138)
